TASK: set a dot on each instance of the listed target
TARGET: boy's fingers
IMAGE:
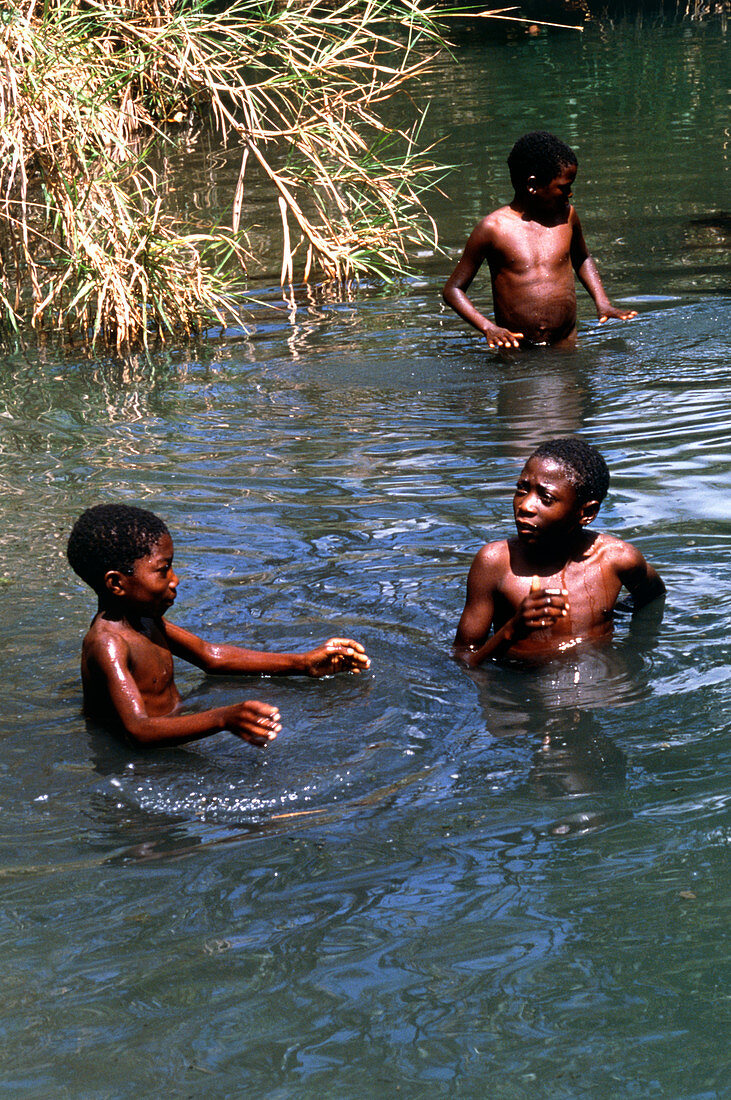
(349, 649)
(347, 642)
(268, 724)
(266, 720)
(264, 712)
(259, 739)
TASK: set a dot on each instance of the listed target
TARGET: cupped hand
(541, 608)
(337, 655)
(616, 314)
(255, 722)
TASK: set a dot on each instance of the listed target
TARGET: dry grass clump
(85, 86)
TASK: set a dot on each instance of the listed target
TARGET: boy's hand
(501, 337)
(336, 655)
(255, 722)
(616, 314)
(541, 608)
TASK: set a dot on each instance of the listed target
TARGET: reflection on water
(434, 882)
(518, 700)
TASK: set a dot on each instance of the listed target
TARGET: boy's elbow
(208, 659)
(451, 291)
(139, 733)
(465, 655)
(653, 590)
(655, 584)
(659, 589)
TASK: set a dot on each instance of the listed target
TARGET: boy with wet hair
(556, 584)
(531, 247)
(126, 555)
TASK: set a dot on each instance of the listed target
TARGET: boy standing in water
(556, 584)
(126, 555)
(531, 247)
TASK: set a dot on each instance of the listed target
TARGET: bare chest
(151, 664)
(536, 251)
(592, 589)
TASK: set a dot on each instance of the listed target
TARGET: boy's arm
(539, 609)
(456, 286)
(588, 275)
(473, 643)
(641, 579)
(252, 721)
(334, 655)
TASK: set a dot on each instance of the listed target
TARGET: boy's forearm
(497, 645)
(176, 729)
(227, 659)
(588, 275)
(460, 303)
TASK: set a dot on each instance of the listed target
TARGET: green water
(495, 884)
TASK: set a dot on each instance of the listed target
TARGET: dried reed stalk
(87, 85)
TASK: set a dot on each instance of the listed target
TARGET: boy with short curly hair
(555, 586)
(126, 555)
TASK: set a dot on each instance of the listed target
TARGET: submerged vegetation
(86, 244)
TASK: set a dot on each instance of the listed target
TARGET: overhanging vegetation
(86, 245)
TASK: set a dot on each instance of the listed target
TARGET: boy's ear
(588, 512)
(115, 582)
(530, 185)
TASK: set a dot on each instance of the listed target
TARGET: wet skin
(127, 662)
(555, 585)
(532, 247)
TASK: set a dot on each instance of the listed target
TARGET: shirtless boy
(531, 247)
(126, 555)
(556, 584)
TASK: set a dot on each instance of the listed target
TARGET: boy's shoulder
(498, 219)
(495, 224)
(110, 636)
(505, 555)
(618, 553)
(492, 559)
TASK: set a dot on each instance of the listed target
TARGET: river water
(435, 883)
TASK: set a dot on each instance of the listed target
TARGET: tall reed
(86, 245)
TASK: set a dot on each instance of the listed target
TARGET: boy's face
(151, 588)
(553, 197)
(546, 508)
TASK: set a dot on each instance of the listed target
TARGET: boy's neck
(555, 557)
(118, 612)
(528, 210)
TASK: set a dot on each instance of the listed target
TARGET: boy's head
(583, 465)
(559, 492)
(112, 537)
(540, 155)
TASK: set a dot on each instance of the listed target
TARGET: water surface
(435, 883)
